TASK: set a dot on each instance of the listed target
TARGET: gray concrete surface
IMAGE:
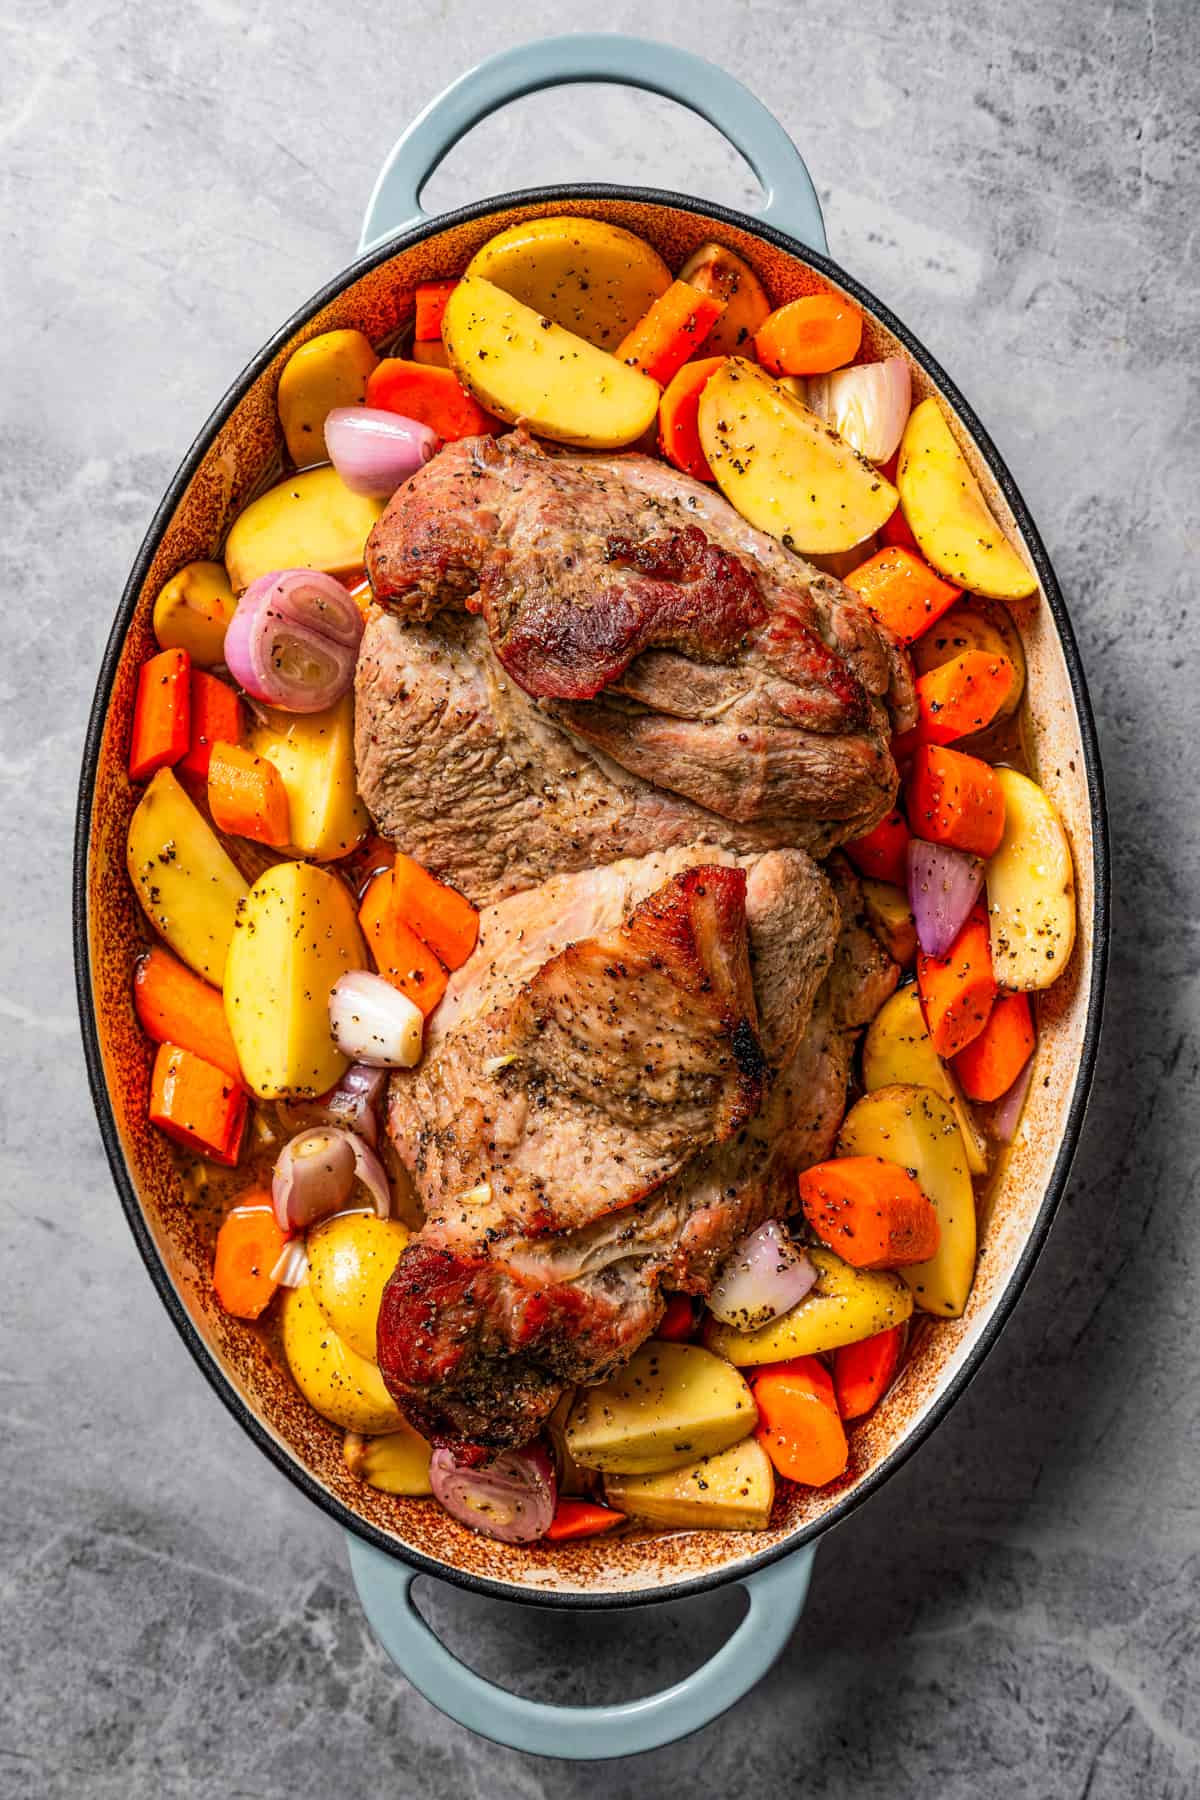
(1017, 1614)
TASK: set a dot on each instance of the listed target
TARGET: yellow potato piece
(784, 469)
(328, 371)
(350, 1259)
(730, 1491)
(188, 885)
(595, 279)
(898, 1048)
(890, 918)
(916, 1128)
(314, 754)
(670, 1404)
(842, 1307)
(396, 1464)
(520, 365)
(343, 1387)
(309, 521)
(722, 273)
(1030, 888)
(949, 517)
(193, 610)
(980, 624)
(296, 933)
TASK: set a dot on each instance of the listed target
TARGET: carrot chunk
(987, 1068)
(673, 329)
(440, 915)
(870, 1211)
(246, 796)
(863, 1372)
(197, 1104)
(433, 396)
(216, 714)
(955, 799)
(177, 1007)
(400, 956)
(957, 990)
(162, 713)
(902, 591)
(580, 1519)
(679, 417)
(799, 1426)
(882, 852)
(678, 1323)
(249, 1244)
(431, 298)
(962, 695)
(809, 336)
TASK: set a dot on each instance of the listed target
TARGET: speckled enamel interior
(245, 445)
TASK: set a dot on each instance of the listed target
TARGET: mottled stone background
(1017, 1613)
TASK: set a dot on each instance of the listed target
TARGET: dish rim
(1035, 1238)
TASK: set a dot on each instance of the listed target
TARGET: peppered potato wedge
(732, 1490)
(670, 1404)
(1030, 888)
(948, 515)
(593, 278)
(187, 884)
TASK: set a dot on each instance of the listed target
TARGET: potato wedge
(670, 1404)
(784, 469)
(343, 1387)
(520, 365)
(296, 932)
(890, 918)
(980, 624)
(328, 371)
(1030, 888)
(350, 1260)
(843, 1307)
(732, 1490)
(190, 889)
(948, 515)
(597, 280)
(395, 1464)
(193, 610)
(898, 1048)
(309, 521)
(722, 273)
(314, 753)
(915, 1127)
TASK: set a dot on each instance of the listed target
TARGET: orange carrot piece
(434, 397)
(400, 956)
(988, 1067)
(580, 1519)
(962, 696)
(162, 713)
(216, 716)
(809, 336)
(249, 1244)
(957, 990)
(431, 298)
(954, 799)
(679, 417)
(902, 591)
(246, 796)
(177, 1007)
(799, 1426)
(863, 1372)
(678, 1323)
(674, 329)
(882, 852)
(870, 1211)
(897, 529)
(197, 1104)
(431, 353)
(440, 915)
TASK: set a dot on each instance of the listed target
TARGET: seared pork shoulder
(618, 1084)
(644, 669)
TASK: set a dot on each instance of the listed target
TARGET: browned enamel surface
(379, 303)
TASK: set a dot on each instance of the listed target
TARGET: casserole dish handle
(790, 201)
(776, 1597)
